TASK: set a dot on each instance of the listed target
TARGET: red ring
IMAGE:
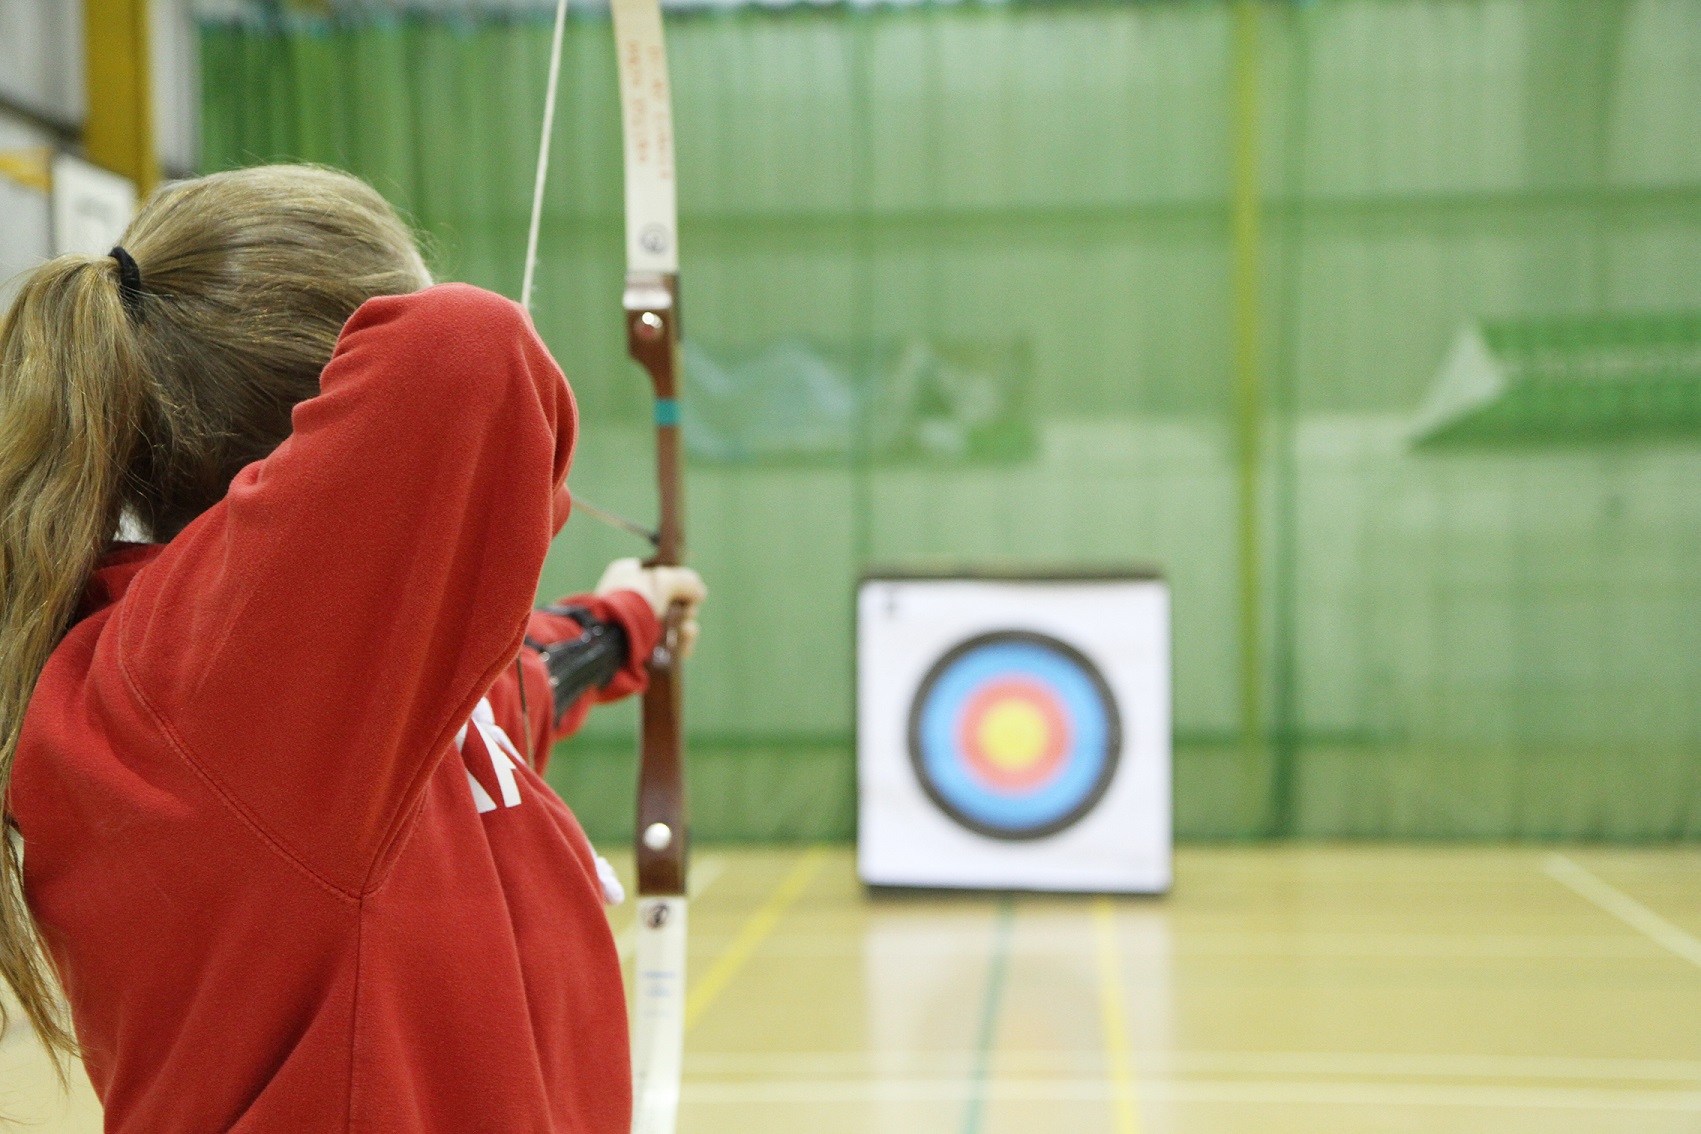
(1044, 701)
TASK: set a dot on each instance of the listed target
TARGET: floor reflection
(1279, 990)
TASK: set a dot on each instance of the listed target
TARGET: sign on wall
(1014, 733)
(91, 206)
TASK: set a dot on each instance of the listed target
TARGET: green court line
(990, 1005)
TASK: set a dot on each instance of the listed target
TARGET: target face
(1014, 735)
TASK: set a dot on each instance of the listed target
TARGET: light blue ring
(1083, 763)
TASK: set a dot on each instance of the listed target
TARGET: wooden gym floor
(1279, 989)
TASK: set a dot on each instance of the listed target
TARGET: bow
(651, 303)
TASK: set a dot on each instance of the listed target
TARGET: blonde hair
(147, 404)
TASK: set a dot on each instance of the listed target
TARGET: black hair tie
(129, 282)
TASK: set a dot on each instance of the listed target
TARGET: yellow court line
(751, 934)
(1113, 1020)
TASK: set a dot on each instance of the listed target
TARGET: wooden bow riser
(652, 338)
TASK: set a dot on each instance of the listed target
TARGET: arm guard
(589, 661)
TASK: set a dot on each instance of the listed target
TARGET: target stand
(1013, 732)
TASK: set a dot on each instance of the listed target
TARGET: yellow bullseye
(1013, 735)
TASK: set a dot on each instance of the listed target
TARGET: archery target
(1014, 733)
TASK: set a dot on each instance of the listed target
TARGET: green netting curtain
(1232, 244)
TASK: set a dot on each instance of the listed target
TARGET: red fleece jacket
(254, 813)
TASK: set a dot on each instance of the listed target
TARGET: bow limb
(651, 303)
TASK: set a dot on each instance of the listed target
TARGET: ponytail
(71, 394)
(139, 384)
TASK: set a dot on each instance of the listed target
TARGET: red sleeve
(628, 609)
(312, 643)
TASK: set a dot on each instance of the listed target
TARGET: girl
(272, 828)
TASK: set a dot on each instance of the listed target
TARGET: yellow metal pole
(1246, 287)
(118, 133)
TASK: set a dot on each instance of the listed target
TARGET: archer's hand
(661, 588)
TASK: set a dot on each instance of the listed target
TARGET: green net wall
(1163, 283)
